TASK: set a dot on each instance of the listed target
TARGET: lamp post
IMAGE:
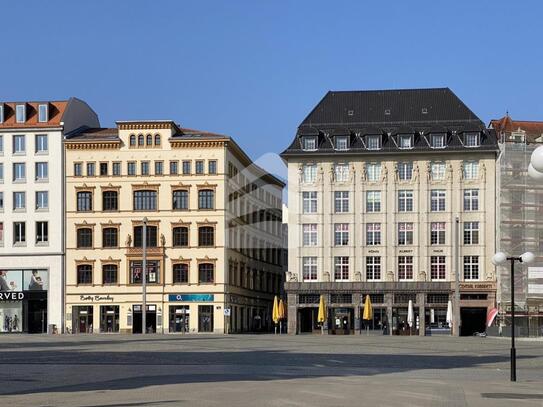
(499, 259)
(144, 278)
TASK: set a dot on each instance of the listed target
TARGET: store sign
(92, 298)
(12, 296)
(191, 297)
(475, 286)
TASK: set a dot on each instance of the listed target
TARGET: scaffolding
(520, 217)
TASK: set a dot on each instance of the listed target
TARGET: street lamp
(536, 159)
(499, 259)
(144, 281)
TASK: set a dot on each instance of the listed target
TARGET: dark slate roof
(93, 134)
(388, 113)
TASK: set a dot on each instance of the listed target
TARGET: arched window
(84, 201)
(84, 274)
(180, 273)
(110, 201)
(110, 237)
(132, 140)
(157, 139)
(206, 272)
(149, 140)
(140, 140)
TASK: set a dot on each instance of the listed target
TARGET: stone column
(421, 300)
(292, 309)
(388, 301)
(356, 304)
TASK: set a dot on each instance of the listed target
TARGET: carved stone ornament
(422, 276)
(162, 240)
(390, 275)
(128, 241)
(292, 277)
(326, 276)
(358, 276)
(416, 173)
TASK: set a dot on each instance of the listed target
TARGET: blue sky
(253, 69)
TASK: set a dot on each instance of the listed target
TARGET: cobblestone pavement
(266, 370)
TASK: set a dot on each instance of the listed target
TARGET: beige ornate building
(201, 195)
(377, 181)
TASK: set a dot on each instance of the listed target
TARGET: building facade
(211, 216)
(391, 193)
(32, 211)
(520, 216)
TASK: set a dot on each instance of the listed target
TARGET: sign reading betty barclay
(93, 298)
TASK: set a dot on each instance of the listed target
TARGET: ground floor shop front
(390, 303)
(178, 313)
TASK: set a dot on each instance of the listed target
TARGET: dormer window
(43, 113)
(1, 113)
(20, 113)
(342, 143)
(471, 139)
(373, 142)
(437, 140)
(309, 143)
(405, 141)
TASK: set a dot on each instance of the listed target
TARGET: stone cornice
(93, 145)
(145, 126)
(197, 143)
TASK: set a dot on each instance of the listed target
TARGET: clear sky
(254, 69)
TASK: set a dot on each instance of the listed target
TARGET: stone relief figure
(364, 173)
(422, 276)
(353, 174)
(326, 276)
(320, 175)
(416, 173)
(396, 172)
(489, 276)
(300, 173)
(483, 172)
(428, 171)
(128, 241)
(390, 275)
(384, 176)
(450, 172)
(292, 277)
(461, 172)
(358, 276)
(162, 240)
(331, 173)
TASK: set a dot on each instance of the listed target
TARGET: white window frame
(373, 201)
(39, 167)
(406, 269)
(309, 173)
(434, 138)
(15, 172)
(471, 268)
(373, 268)
(309, 202)
(309, 234)
(402, 138)
(373, 142)
(307, 140)
(471, 170)
(20, 113)
(341, 268)
(405, 233)
(405, 200)
(44, 236)
(405, 171)
(42, 203)
(438, 268)
(471, 233)
(19, 144)
(437, 170)
(341, 172)
(471, 200)
(43, 108)
(341, 202)
(438, 200)
(341, 234)
(19, 201)
(309, 268)
(38, 144)
(341, 143)
(472, 139)
(373, 234)
(437, 233)
(373, 171)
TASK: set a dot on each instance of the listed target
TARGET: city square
(266, 370)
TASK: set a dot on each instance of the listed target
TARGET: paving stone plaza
(276, 370)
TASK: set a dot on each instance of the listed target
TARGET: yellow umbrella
(281, 314)
(368, 312)
(275, 312)
(321, 317)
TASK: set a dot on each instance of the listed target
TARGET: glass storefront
(109, 318)
(205, 318)
(82, 316)
(179, 318)
(341, 321)
(400, 325)
(378, 323)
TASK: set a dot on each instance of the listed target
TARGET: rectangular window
(145, 168)
(373, 171)
(309, 268)
(103, 169)
(405, 171)
(309, 202)
(437, 200)
(471, 199)
(309, 143)
(471, 139)
(199, 166)
(152, 274)
(174, 167)
(159, 167)
(1, 233)
(19, 172)
(42, 171)
(471, 233)
(341, 172)
(42, 232)
(309, 234)
(109, 274)
(471, 169)
(180, 273)
(91, 169)
(84, 274)
(341, 268)
(373, 268)
(110, 237)
(206, 236)
(19, 201)
(131, 168)
(206, 273)
(116, 169)
(437, 171)
(1, 113)
(84, 237)
(471, 267)
(1, 172)
(437, 267)
(20, 113)
(19, 145)
(342, 143)
(110, 201)
(405, 201)
(186, 167)
(1, 201)
(206, 199)
(341, 201)
(42, 200)
(437, 233)
(1, 138)
(373, 234)
(405, 267)
(180, 236)
(405, 233)
(78, 169)
(180, 200)
(373, 201)
(42, 144)
(212, 167)
(43, 114)
(84, 201)
(309, 173)
(405, 141)
(438, 140)
(145, 200)
(373, 142)
(19, 232)
(151, 240)
(341, 234)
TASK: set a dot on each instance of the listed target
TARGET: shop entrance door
(205, 318)
(472, 320)
(150, 316)
(179, 318)
(82, 320)
(307, 318)
(342, 321)
(37, 316)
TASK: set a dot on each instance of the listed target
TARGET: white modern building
(32, 210)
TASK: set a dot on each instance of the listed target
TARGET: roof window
(471, 139)
(309, 143)
(437, 140)
(373, 142)
(405, 141)
(43, 113)
(20, 113)
(342, 143)
(387, 112)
